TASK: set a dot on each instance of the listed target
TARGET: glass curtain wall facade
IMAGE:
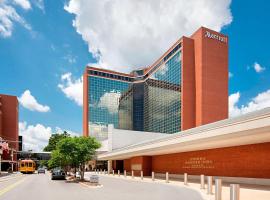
(142, 102)
(103, 98)
(163, 98)
(126, 110)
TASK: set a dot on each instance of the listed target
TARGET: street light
(1, 152)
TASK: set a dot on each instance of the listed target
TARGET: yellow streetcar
(27, 166)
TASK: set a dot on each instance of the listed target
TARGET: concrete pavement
(247, 192)
(41, 187)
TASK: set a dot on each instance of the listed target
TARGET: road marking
(9, 178)
(89, 186)
(10, 187)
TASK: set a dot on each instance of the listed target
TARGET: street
(41, 187)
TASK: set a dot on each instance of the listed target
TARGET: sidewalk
(6, 176)
(250, 192)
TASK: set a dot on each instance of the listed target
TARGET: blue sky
(45, 50)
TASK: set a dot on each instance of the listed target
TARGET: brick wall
(211, 77)
(243, 161)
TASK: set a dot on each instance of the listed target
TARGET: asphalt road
(41, 187)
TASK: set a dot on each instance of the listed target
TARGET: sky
(45, 46)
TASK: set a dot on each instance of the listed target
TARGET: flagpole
(1, 160)
(1, 151)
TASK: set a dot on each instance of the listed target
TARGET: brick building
(186, 87)
(9, 127)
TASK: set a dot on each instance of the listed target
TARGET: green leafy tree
(78, 150)
(44, 163)
(54, 140)
(58, 160)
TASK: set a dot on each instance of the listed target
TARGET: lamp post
(12, 160)
(1, 152)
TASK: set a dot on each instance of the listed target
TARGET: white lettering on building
(215, 36)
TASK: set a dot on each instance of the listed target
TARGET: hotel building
(186, 87)
(183, 93)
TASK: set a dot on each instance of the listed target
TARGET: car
(58, 173)
(41, 170)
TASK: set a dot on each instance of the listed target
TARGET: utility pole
(1, 151)
(12, 160)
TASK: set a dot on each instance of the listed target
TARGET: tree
(54, 140)
(44, 163)
(58, 160)
(78, 150)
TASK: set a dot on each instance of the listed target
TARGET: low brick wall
(249, 161)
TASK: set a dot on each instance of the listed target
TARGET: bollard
(185, 178)
(125, 173)
(153, 176)
(142, 175)
(234, 192)
(167, 177)
(209, 185)
(95, 171)
(113, 172)
(202, 182)
(98, 171)
(132, 174)
(218, 189)
(119, 173)
(104, 171)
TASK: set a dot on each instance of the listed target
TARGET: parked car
(41, 170)
(58, 173)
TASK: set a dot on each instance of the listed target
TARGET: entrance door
(120, 165)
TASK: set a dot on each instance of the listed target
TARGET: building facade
(9, 127)
(186, 87)
(235, 149)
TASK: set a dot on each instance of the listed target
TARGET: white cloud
(25, 4)
(70, 58)
(262, 100)
(72, 88)
(72, 133)
(9, 15)
(28, 101)
(134, 33)
(258, 68)
(230, 74)
(35, 137)
(110, 101)
(39, 4)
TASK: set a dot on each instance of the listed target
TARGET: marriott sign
(215, 36)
